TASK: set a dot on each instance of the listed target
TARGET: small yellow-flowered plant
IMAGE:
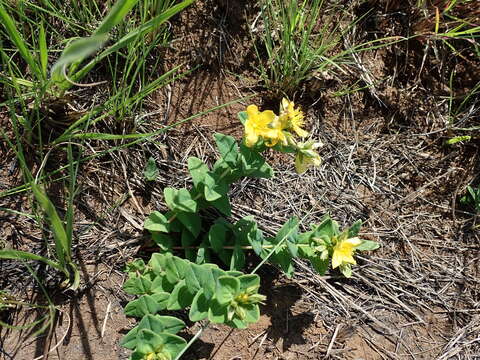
(343, 250)
(292, 118)
(280, 130)
(263, 124)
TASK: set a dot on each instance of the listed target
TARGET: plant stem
(192, 340)
(233, 247)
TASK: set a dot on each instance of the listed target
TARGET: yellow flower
(275, 133)
(292, 118)
(343, 250)
(264, 124)
(150, 356)
(307, 156)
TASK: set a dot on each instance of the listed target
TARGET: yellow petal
(336, 260)
(317, 161)
(291, 108)
(252, 110)
(301, 163)
(251, 136)
(300, 132)
(349, 259)
(267, 117)
(251, 139)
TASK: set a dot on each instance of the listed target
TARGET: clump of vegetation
(228, 296)
(472, 198)
(294, 44)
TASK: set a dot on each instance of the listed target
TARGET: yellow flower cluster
(343, 251)
(278, 129)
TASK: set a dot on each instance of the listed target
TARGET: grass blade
(42, 44)
(62, 243)
(76, 51)
(131, 36)
(115, 16)
(23, 255)
(17, 39)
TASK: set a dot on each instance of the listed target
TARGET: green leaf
(228, 149)
(77, 51)
(139, 285)
(157, 324)
(134, 267)
(237, 261)
(198, 170)
(367, 245)
(170, 324)
(236, 323)
(137, 355)
(217, 237)
(147, 304)
(62, 242)
(156, 221)
(173, 344)
(217, 313)
(203, 253)
(284, 259)
(180, 298)
(249, 281)
(199, 309)
(223, 205)
(252, 315)
(227, 288)
(201, 277)
(326, 229)
(191, 221)
(151, 170)
(23, 255)
(158, 263)
(214, 188)
(242, 115)
(233, 273)
(188, 240)
(43, 50)
(354, 229)
(288, 233)
(147, 341)
(161, 284)
(256, 239)
(320, 266)
(179, 200)
(16, 38)
(252, 312)
(346, 270)
(166, 344)
(175, 268)
(115, 16)
(175, 224)
(165, 242)
(253, 164)
(457, 139)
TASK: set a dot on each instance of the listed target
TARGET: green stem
(192, 340)
(264, 260)
(233, 247)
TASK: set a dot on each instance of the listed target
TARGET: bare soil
(384, 161)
